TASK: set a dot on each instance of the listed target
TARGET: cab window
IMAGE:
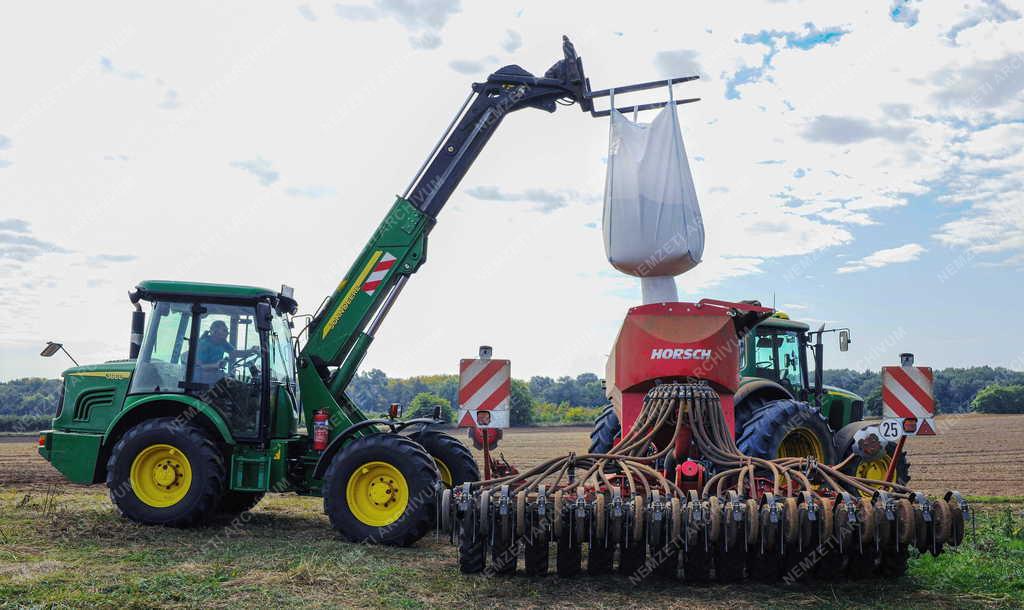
(228, 369)
(282, 360)
(777, 357)
(164, 355)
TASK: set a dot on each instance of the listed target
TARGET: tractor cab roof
(152, 290)
(781, 321)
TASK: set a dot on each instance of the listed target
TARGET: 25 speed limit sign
(891, 429)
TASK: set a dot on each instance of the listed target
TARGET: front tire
(164, 473)
(380, 489)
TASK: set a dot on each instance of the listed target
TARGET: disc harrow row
(756, 518)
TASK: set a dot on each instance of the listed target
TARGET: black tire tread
(606, 429)
(764, 430)
(419, 521)
(449, 450)
(209, 457)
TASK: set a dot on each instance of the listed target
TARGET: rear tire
(746, 409)
(606, 431)
(353, 476)
(785, 427)
(455, 463)
(165, 462)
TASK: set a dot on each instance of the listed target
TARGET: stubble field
(63, 545)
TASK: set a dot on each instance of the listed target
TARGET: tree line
(984, 389)
(29, 403)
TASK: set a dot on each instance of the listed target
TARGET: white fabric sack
(652, 222)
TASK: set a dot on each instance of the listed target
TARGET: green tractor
(219, 403)
(213, 410)
(783, 408)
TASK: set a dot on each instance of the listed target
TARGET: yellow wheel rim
(801, 442)
(161, 475)
(446, 475)
(874, 470)
(377, 494)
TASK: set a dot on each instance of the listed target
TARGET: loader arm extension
(342, 330)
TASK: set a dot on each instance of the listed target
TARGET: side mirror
(264, 316)
(844, 340)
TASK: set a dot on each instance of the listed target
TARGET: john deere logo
(678, 353)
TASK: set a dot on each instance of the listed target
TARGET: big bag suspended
(652, 223)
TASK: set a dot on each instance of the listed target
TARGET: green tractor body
(776, 363)
(215, 408)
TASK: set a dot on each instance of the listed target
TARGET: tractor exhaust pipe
(138, 324)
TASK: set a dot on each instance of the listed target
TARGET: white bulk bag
(652, 222)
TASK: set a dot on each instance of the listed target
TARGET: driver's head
(219, 330)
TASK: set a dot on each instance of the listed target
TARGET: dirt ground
(63, 545)
(978, 455)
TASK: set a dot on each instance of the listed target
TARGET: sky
(857, 164)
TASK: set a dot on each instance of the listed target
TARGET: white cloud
(882, 258)
(259, 167)
(907, 131)
(422, 18)
(512, 41)
(307, 12)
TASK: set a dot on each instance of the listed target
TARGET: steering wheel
(764, 364)
(247, 360)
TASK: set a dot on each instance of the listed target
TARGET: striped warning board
(485, 392)
(907, 398)
(380, 271)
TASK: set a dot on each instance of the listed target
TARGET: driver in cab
(213, 351)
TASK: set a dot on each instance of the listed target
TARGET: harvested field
(62, 544)
(980, 455)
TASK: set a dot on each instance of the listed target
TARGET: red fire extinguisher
(321, 430)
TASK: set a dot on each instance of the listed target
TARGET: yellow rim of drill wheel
(377, 494)
(446, 474)
(874, 470)
(160, 476)
(801, 442)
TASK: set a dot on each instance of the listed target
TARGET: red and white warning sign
(908, 406)
(380, 271)
(485, 392)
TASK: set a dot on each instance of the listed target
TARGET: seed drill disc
(446, 510)
(956, 535)
(943, 518)
(752, 523)
(677, 519)
(790, 520)
(557, 516)
(866, 517)
(638, 518)
(485, 512)
(715, 518)
(905, 521)
(520, 513)
(769, 529)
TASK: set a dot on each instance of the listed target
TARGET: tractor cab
(776, 350)
(228, 346)
(788, 353)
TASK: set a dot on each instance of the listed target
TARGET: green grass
(66, 546)
(995, 499)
